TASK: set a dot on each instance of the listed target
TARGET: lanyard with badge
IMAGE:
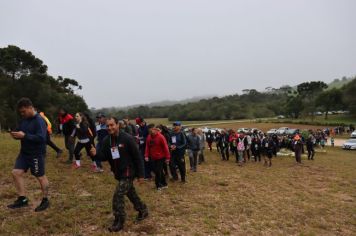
(114, 149)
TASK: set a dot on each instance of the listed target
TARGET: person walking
(49, 133)
(85, 140)
(202, 140)
(298, 148)
(66, 126)
(121, 151)
(178, 143)
(142, 136)
(102, 132)
(157, 150)
(194, 148)
(223, 143)
(310, 147)
(32, 133)
(209, 139)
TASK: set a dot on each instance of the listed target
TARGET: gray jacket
(193, 142)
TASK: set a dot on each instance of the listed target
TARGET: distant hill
(338, 83)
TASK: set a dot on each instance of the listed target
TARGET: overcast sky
(132, 52)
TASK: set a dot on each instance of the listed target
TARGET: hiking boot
(20, 202)
(117, 225)
(143, 214)
(43, 205)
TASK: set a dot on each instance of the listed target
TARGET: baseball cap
(177, 123)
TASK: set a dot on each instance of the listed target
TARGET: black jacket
(129, 165)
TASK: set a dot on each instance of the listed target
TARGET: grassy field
(316, 198)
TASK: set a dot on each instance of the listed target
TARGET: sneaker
(43, 205)
(75, 166)
(98, 170)
(159, 189)
(20, 202)
(59, 153)
(164, 187)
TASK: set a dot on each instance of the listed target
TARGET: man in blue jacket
(32, 133)
(178, 145)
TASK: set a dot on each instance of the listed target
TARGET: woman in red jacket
(157, 150)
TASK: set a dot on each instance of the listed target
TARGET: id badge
(61, 127)
(142, 142)
(174, 139)
(256, 146)
(115, 153)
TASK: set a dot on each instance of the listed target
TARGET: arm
(165, 148)
(184, 142)
(147, 147)
(135, 155)
(40, 135)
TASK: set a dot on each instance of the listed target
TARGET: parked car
(282, 130)
(272, 131)
(350, 144)
(245, 130)
(353, 134)
(292, 131)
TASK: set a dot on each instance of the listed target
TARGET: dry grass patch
(317, 198)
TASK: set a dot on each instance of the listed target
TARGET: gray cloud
(129, 52)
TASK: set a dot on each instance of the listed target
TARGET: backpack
(241, 145)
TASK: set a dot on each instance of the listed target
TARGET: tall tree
(330, 99)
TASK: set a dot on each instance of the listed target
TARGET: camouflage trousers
(126, 187)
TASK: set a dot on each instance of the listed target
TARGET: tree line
(302, 100)
(24, 75)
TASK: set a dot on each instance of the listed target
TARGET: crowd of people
(138, 150)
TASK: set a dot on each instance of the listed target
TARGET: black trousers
(224, 153)
(79, 147)
(51, 144)
(256, 154)
(311, 153)
(69, 143)
(178, 161)
(160, 178)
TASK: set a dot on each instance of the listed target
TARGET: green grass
(317, 198)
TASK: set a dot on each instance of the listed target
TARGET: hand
(78, 126)
(93, 151)
(18, 135)
(167, 161)
(146, 158)
(173, 147)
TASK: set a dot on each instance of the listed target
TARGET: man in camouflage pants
(121, 151)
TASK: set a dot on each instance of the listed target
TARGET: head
(62, 111)
(140, 121)
(194, 131)
(112, 124)
(79, 117)
(152, 129)
(25, 108)
(101, 118)
(177, 126)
